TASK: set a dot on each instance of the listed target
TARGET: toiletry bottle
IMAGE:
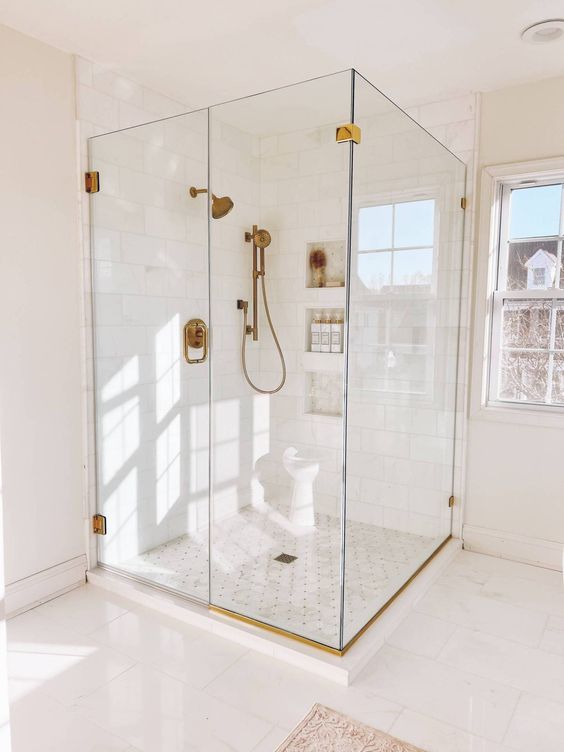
(337, 333)
(326, 333)
(316, 332)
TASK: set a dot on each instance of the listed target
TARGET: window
(527, 345)
(395, 269)
(396, 245)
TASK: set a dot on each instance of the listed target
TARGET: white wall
(5, 741)
(515, 499)
(39, 311)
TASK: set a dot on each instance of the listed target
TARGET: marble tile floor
(476, 666)
(302, 597)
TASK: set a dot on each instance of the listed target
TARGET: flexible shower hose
(276, 342)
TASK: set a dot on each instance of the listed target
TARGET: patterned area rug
(325, 730)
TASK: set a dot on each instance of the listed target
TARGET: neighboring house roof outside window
(541, 270)
(543, 259)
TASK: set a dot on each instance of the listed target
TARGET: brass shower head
(220, 206)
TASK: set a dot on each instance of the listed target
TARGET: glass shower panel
(149, 247)
(277, 459)
(405, 273)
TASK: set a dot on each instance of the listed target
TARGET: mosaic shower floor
(302, 596)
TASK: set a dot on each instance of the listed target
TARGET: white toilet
(303, 470)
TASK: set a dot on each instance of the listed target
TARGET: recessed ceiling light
(544, 31)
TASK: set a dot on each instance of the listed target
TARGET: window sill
(529, 415)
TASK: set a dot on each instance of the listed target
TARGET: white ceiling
(210, 51)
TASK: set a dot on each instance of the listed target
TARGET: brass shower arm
(196, 192)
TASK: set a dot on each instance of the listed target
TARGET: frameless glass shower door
(404, 313)
(149, 246)
(277, 466)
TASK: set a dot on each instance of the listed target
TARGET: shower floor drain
(285, 558)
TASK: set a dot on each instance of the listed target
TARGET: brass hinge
(463, 202)
(99, 524)
(451, 501)
(348, 132)
(91, 182)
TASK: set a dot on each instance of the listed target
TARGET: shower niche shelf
(334, 275)
(336, 312)
(324, 394)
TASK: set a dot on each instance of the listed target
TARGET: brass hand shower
(260, 239)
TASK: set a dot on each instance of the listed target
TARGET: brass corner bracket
(348, 132)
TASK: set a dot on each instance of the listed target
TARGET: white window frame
(493, 178)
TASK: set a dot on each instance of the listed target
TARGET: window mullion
(392, 282)
(503, 239)
(562, 212)
(551, 344)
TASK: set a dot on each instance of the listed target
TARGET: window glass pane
(523, 376)
(375, 227)
(375, 269)
(526, 324)
(561, 285)
(413, 267)
(558, 378)
(414, 223)
(535, 212)
(559, 327)
(532, 266)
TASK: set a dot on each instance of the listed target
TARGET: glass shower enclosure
(303, 508)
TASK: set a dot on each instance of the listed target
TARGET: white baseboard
(44, 586)
(536, 551)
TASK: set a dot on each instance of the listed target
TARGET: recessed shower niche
(325, 264)
(222, 439)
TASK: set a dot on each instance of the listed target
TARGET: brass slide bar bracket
(243, 305)
(250, 238)
(348, 132)
(92, 182)
(195, 337)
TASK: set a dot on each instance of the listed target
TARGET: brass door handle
(196, 337)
